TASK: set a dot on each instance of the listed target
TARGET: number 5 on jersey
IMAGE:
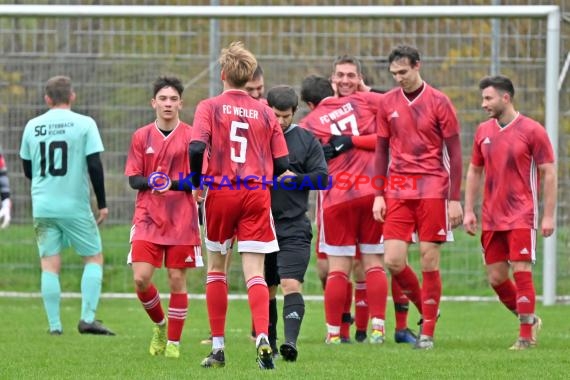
(241, 140)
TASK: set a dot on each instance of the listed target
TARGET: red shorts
(513, 245)
(427, 217)
(348, 226)
(245, 214)
(174, 256)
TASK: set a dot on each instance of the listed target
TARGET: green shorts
(55, 234)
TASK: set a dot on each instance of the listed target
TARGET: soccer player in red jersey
(245, 148)
(510, 150)
(6, 204)
(165, 223)
(346, 80)
(353, 115)
(418, 132)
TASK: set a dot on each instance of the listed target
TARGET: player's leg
(50, 243)
(370, 238)
(401, 306)
(83, 235)
(433, 231)
(339, 231)
(495, 256)
(272, 279)
(431, 292)
(256, 237)
(336, 295)
(144, 258)
(522, 254)
(361, 312)
(398, 228)
(178, 260)
(292, 263)
(221, 214)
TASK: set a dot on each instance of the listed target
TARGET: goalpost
(548, 12)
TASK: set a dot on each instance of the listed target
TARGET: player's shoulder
(144, 130)
(529, 122)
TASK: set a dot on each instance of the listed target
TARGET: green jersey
(57, 143)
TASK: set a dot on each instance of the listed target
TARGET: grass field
(471, 343)
(461, 267)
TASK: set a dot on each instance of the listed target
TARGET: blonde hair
(238, 64)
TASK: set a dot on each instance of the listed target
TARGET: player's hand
(455, 213)
(103, 213)
(198, 195)
(362, 86)
(547, 226)
(162, 190)
(287, 176)
(328, 150)
(379, 209)
(341, 144)
(5, 215)
(470, 223)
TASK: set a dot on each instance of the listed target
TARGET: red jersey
(353, 115)
(416, 130)
(242, 137)
(170, 218)
(510, 157)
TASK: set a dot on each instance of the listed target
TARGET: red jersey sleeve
(382, 125)
(448, 121)
(476, 155)
(541, 148)
(278, 143)
(202, 126)
(135, 159)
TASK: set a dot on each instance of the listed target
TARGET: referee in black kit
(289, 203)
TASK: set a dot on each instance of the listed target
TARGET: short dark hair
(342, 59)
(166, 81)
(257, 73)
(315, 88)
(283, 97)
(499, 83)
(59, 89)
(404, 51)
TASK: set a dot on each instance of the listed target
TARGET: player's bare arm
(472, 186)
(103, 213)
(548, 177)
(379, 208)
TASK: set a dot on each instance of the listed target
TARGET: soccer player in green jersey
(60, 150)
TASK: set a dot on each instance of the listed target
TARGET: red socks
(401, 305)
(526, 300)
(217, 302)
(335, 297)
(177, 310)
(346, 318)
(507, 292)
(410, 286)
(431, 294)
(376, 292)
(150, 300)
(361, 313)
(258, 297)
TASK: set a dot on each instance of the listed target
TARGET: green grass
(471, 343)
(461, 266)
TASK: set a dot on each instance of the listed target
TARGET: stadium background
(113, 61)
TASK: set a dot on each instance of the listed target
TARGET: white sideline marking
(232, 297)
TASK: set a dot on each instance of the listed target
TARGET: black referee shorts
(291, 262)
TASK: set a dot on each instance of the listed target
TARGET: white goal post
(550, 12)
